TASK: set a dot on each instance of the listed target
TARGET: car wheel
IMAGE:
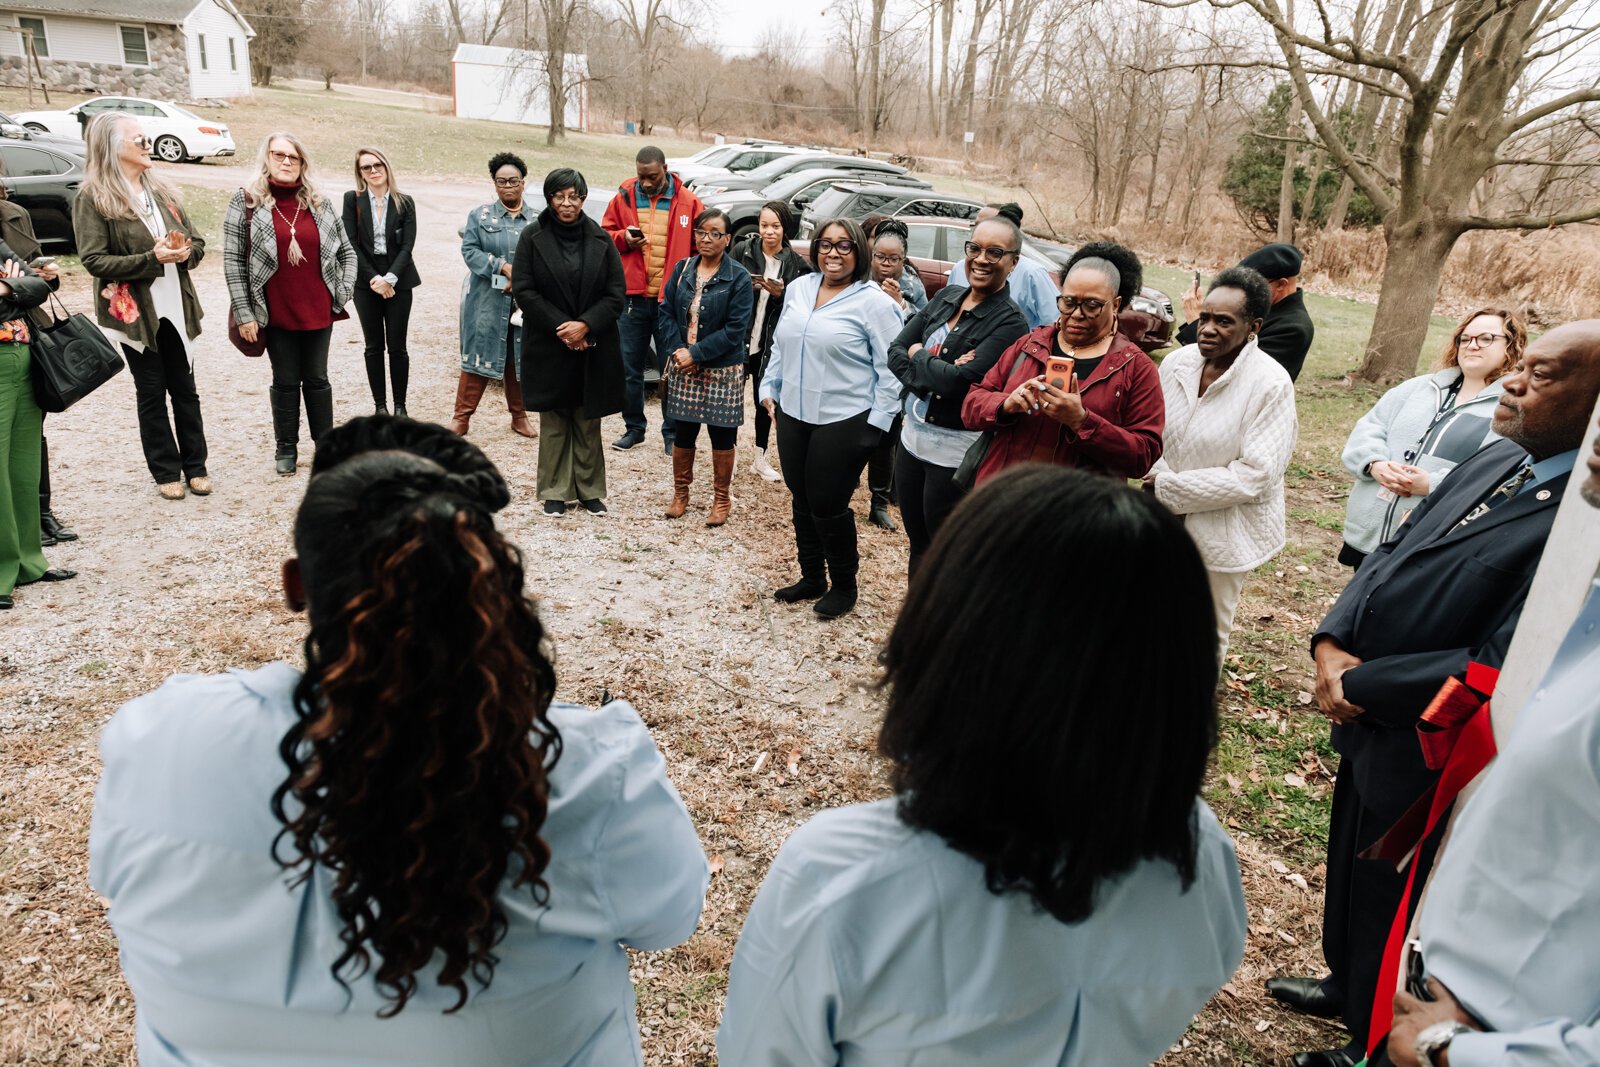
(170, 149)
(36, 127)
(743, 230)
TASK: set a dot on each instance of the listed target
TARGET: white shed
(508, 85)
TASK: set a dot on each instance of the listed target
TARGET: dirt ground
(765, 714)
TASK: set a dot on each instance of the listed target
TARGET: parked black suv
(856, 200)
(798, 190)
(768, 173)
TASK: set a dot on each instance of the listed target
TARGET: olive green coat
(123, 250)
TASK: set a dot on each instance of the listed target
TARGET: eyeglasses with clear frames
(1482, 340)
(283, 157)
(566, 198)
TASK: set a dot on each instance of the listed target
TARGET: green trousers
(21, 435)
(572, 463)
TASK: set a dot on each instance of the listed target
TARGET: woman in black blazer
(382, 224)
(772, 265)
(567, 280)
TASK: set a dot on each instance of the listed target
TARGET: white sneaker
(763, 468)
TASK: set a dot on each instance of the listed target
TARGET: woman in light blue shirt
(1046, 887)
(829, 389)
(405, 854)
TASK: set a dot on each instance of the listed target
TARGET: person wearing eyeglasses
(1231, 428)
(1033, 286)
(944, 350)
(829, 388)
(772, 265)
(137, 242)
(1419, 430)
(491, 331)
(892, 272)
(705, 329)
(1105, 414)
(568, 282)
(291, 269)
(382, 223)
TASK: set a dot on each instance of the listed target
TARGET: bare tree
(1476, 84)
(559, 18)
(649, 25)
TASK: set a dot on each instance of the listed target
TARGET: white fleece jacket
(1224, 454)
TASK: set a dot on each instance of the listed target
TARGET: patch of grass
(93, 668)
(1321, 518)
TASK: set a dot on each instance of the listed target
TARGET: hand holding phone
(1058, 372)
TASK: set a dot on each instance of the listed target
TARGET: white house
(161, 49)
(508, 85)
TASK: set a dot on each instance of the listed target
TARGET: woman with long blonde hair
(291, 270)
(381, 222)
(126, 213)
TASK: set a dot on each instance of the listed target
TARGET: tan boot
(721, 479)
(469, 390)
(682, 477)
(519, 414)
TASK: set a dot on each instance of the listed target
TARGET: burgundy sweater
(297, 297)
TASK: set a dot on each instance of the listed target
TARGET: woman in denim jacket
(489, 337)
(705, 324)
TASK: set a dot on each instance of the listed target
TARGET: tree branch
(1560, 103)
(1527, 222)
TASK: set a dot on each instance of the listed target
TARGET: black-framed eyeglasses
(844, 246)
(990, 253)
(372, 168)
(888, 259)
(508, 183)
(709, 235)
(1072, 305)
(566, 198)
(1482, 340)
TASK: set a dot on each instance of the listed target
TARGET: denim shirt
(488, 242)
(726, 304)
(831, 363)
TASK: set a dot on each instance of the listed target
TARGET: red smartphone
(1058, 372)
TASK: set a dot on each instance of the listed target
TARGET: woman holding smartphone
(138, 243)
(491, 334)
(1101, 411)
(772, 265)
(381, 222)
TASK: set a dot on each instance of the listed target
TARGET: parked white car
(179, 134)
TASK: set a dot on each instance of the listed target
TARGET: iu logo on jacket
(683, 221)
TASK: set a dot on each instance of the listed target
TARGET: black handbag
(978, 451)
(70, 359)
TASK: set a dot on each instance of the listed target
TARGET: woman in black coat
(381, 222)
(567, 280)
(772, 265)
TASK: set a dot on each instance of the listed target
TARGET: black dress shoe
(52, 530)
(54, 574)
(1332, 1057)
(628, 440)
(594, 507)
(881, 518)
(555, 507)
(1306, 995)
(6, 603)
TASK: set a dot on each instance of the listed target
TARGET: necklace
(296, 257)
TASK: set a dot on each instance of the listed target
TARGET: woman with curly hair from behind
(406, 853)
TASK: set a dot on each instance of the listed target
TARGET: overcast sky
(740, 24)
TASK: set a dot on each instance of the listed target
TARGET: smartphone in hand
(1058, 372)
(635, 234)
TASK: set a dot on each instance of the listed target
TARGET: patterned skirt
(713, 396)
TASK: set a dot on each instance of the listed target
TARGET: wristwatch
(1438, 1036)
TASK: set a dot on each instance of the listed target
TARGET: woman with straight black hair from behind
(407, 852)
(1046, 862)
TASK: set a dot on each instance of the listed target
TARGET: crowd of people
(426, 858)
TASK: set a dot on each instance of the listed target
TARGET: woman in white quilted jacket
(1230, 430)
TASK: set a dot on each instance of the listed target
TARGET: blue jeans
(638, 329)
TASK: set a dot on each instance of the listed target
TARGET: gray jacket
(247, 282)
(1407, 419)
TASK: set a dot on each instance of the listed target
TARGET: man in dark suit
(1286, 335)
(1448, 589)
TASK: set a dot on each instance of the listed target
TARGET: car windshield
(775, 168)
(827, 204)
(785, 187)
(176, 110)
(718, 155)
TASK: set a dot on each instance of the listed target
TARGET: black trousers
(44, 473)
(881, 467)
(763, 420)
(161, 373)
(684, 435)
(383, 326)
(299, 358)
(928, 493)
(822, 464)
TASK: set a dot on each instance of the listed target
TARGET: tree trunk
(875, 68)
(1286, 185)
(1341, 205)
(1411, 275)
(947, 20)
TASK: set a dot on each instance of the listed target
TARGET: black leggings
(383, 325)
(299, 357)
(763, 420)
(928, 493)
(822, 465)
(685, 433)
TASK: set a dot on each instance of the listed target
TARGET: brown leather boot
(682, 477)
(469, 390)
(519, 414)
(721, 478)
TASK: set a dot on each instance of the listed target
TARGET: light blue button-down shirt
(1512, 921)
(831, 363)
(872, 944)
(1032, 287)
(229, 961)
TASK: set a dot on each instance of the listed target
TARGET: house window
(41, 44)
(204, 65)
(233, 55)
(135, 46)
